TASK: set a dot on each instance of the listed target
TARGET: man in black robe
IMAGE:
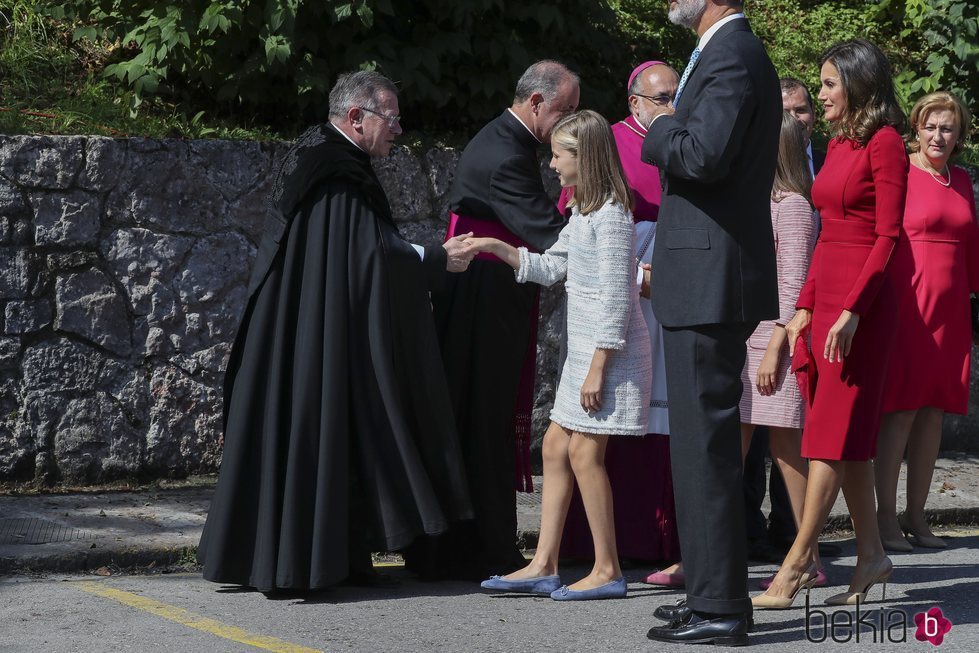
(484, 318)
(339, 439)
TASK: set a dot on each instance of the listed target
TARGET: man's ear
(536, 99)
(355, 115)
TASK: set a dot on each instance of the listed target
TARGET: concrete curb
(73, 562)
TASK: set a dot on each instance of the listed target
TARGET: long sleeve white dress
(595, 252)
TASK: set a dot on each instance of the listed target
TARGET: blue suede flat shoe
(615, 590)
(542, 585)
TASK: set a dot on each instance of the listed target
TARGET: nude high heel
(883, 572)
(767, 602)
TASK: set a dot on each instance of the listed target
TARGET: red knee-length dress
(936, 266)
(860, 194)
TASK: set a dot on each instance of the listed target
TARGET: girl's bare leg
(556, 492)
(587, 453)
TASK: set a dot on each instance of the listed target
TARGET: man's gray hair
(544, 77)
(358, 89)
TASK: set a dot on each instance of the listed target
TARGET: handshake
(463, 248)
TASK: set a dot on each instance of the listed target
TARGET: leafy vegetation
(941, 38)
(456, 61)
(262, 68)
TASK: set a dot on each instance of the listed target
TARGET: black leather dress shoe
(677, 612)
(681, 613)
(724, 630)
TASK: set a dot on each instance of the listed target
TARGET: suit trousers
(703, 381)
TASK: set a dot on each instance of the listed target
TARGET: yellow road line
(191, 620)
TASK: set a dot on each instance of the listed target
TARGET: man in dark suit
(713, 280)
(797, 100)
(487, 321)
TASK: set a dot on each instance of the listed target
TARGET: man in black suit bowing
(486, 323)
(713, 280)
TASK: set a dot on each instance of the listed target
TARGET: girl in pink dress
(771, 395)
(936, 266)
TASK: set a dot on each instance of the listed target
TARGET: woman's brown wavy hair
(871, 102)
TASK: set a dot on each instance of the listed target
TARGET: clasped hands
(460, 252)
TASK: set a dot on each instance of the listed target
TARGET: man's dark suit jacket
(714, 258)
(818, 159)
(498, 179)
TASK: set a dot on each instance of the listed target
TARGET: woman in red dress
(936, 267)
(848, 304)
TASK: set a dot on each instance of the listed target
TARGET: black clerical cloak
(484, 320)
(339, 438)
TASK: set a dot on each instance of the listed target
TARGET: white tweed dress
(595, 252)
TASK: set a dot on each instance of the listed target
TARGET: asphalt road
(182, 612)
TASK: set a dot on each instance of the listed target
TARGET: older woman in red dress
(936, 267)
(849, 305)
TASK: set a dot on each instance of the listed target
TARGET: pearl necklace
(940, 177)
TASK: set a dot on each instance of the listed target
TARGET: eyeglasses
(659, 100)
(390, 120)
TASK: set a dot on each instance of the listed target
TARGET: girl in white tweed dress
(606, 381)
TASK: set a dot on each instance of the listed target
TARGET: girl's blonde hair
(587, 136)
(939, 101)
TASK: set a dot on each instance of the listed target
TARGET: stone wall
(123, 266)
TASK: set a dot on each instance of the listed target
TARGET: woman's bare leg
(895, 429)
(923, 445)
(822, 488)
(858, 489)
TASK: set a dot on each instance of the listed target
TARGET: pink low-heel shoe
(820, 580)
(666, 580)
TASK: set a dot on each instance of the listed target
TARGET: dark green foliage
(942, 41)
(254, 68)
(455, 60)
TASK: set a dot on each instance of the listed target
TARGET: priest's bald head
(364, 106)
(652, 84)
(546, 92)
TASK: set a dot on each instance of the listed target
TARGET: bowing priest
(339, 438)
(487, 322)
